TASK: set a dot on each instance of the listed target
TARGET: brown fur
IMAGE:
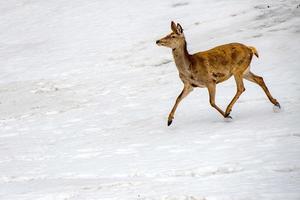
(208, 68)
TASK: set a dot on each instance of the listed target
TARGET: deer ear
(173, 27)
(179, 29)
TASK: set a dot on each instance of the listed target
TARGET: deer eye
(173, 36)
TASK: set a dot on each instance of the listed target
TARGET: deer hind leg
(186, 90)
(212, 94)
(260, 81)
(240, 89)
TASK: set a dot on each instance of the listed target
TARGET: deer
(208, 68)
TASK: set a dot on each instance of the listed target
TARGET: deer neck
(182, 60)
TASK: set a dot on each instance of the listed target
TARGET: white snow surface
(85, 94)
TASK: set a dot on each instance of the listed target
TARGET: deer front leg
(212, 94)
(186, 90)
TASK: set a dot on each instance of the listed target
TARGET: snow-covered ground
(85, 94)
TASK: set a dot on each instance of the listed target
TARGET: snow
(85, 94)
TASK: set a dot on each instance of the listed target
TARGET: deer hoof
(169, 122)
(227, 115)
(276, 108)
(228, 118)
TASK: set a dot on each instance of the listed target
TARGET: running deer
(208, 68)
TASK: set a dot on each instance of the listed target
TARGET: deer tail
(253, 50)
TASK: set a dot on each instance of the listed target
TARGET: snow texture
(85, 94)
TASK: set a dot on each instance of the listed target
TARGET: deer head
(173, 40)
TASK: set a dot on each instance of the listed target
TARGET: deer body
(208, 68)
(215, 65)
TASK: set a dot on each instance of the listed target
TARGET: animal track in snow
(180, 4)
(286, 169)
(206, 171)
(183, 197)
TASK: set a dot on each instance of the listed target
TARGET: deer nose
(157, 41)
